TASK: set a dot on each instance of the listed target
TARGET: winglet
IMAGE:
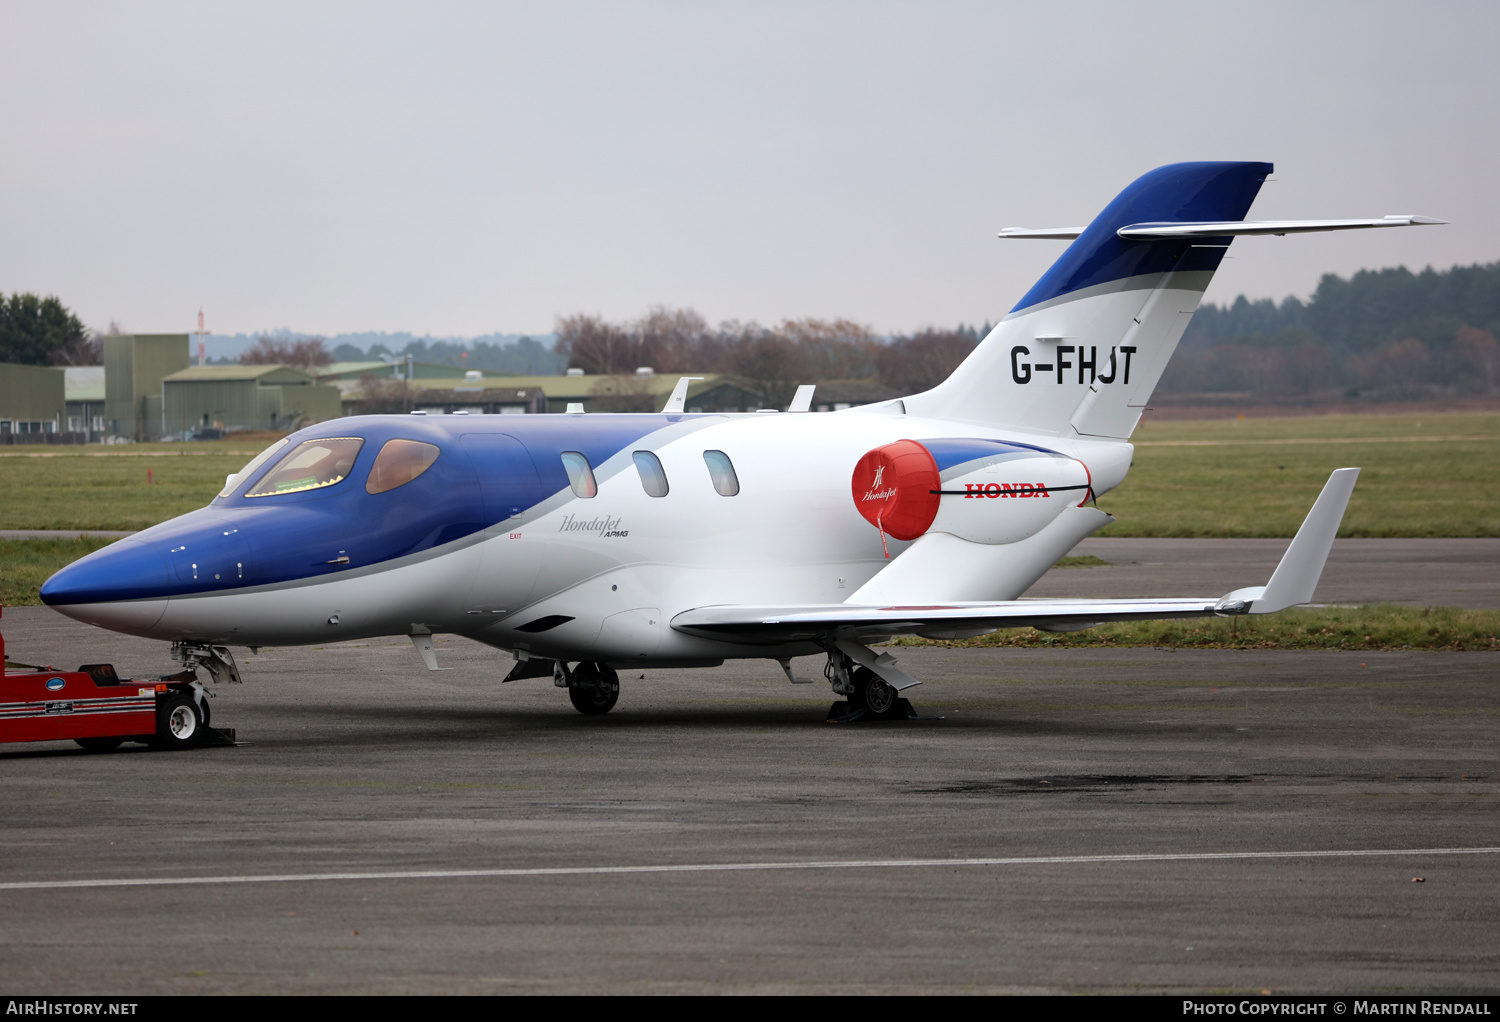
(1301, 566)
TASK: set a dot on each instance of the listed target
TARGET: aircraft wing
(841, 621)
(1292, 583)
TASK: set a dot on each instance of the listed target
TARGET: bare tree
(383, 395)
(1478, 350)
(922, 361)
(670, 340)
(591, 344)
(302, 352)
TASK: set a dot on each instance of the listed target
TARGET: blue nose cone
(127, 570)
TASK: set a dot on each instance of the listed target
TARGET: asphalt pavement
(1077, 821)
(1418, 572)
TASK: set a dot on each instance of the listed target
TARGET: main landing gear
(593, 688)
(868, 696)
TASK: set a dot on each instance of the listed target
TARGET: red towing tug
(97, 709)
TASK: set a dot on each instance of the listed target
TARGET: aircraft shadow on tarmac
(344, 725)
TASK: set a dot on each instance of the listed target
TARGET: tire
(99, 744)
(595, 688)
(179, 723)
(873, 694)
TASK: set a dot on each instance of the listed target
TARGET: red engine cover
(894, 488)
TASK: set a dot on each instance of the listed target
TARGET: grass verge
(1384, 626)
(26, 563)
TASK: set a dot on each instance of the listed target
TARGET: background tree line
(1378, 335)
(772, 359)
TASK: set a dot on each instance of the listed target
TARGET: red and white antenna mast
(200, 333)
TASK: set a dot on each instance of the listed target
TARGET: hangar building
(202, 398)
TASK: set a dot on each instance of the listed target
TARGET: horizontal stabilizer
(1222, 229)
(1045, 233)
(1233, 228)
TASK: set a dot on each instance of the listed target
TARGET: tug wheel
(179, 723)
(99, 744)
(872, 693)
(594, 688)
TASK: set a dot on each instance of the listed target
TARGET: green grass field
(108, 487)
(1428, 475)
(1423, 475)
(26, 563)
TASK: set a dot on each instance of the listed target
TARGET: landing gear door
(509, 560)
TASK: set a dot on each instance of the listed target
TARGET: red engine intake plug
(895, 488)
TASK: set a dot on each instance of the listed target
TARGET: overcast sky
(457, 169)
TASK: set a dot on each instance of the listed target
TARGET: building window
(721, 471)
(580, 474)
(653, 476)
(399, 462)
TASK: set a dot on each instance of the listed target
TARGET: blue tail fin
(1083, 350)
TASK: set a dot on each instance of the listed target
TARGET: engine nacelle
(983, 491)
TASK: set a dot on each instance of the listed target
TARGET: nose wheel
(593, 688)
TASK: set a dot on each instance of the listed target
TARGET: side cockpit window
(580, 474)
(310, 465)
(653, 476)
(398, 463)
(721, 471)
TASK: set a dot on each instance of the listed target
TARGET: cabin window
(251, 467)
(721, 471)
(310, 465)
(580, 474)
(399, 462)
(653, 476)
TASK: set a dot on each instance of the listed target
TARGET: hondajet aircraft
(586, 543)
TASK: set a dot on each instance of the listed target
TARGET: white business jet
(581, 544)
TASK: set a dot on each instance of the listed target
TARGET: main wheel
(872, 693)
(595, 688)
(99, 744)
(179, 723)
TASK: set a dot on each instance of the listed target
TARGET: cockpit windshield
(249, 469)
(310, 465)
